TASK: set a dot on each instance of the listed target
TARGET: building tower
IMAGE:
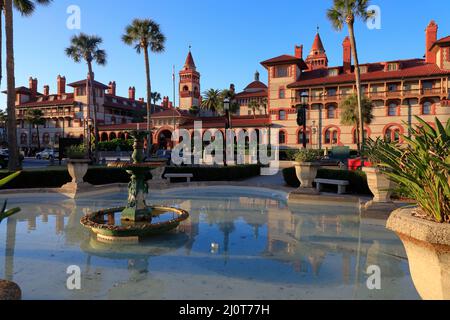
(189, 84)
(317, 58)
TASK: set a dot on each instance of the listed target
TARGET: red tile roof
(189, 64)
(83, 83)
(317, 45)
(409, 68)
(171, 113)
(442, 41)
(256, 85)
(254, 94)
(285, 59)
(123, 126)
(47, 102)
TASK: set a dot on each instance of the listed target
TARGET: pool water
(237, 244)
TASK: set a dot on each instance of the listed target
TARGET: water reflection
(263, 248)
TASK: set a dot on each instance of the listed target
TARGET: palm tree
(211, 100)
(350, 114)
(156, 96)
(345, 12)
(144, 34)
(35, 117)
(86, 48)
(254, 106)
(25, 8)
(264, 103)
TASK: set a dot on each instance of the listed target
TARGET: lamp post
(301, 115)
(226, 107)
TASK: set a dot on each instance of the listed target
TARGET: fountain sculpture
(137, 218)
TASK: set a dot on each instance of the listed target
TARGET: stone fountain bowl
(127, 165)
(132, 231)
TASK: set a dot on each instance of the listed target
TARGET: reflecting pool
(238, 243)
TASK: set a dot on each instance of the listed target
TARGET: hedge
(230, 173)
(357, 179)
(55, 178)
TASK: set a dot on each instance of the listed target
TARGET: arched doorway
(165, 140)
(104, 137)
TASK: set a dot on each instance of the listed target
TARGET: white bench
(187, 176)
(342, 184)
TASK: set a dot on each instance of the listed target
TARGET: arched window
(282, 115)
(46, 138)
(331, 136)
(355, 138)
(34, 138)
(57, 137)
(23, 138)
(185, 88)
(392, 109)
(392, 134)
(331, 112)
(282, 136)
(426, 108)
(282, 93)
(300, 136)
(104, 136)
(112, 136)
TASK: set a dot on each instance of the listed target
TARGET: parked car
(47, 154)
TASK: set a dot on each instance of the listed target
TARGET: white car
(47, 154)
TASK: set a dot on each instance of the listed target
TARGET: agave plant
(7, 213)
(421, 167)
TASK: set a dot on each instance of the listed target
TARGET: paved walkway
(276, 180)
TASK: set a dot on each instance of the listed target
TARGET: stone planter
(77, 169)
(379, 184)
(306, 173)
(427, 245)
(9, 291)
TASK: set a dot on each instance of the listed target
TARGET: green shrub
(307, 155)
(76, 151)
(124, 145)
(357, 179)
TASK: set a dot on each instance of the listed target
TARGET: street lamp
(301, 115)
(226, 107)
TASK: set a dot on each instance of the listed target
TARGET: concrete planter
(379, 185)
(306, 173)
(427, 245)
(77, 170)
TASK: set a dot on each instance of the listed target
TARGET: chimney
(33, 85)
(299, 52)
(165, 102)
(132, 93)
(347, 54)
(170, 105)
(141, 100)
(61, 84)
(430, 39)
(112, 88)
(46, 90)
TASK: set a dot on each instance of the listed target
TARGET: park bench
(187, 176)
(342, 184)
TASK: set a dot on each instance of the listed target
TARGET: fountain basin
(108, 230)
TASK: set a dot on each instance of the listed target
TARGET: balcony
(189, 94)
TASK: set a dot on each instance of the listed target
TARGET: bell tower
(189, 89)
(317, 58)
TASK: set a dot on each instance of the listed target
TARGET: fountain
(137, 218)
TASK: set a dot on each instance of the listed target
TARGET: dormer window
(40, 99)
(364, 69)
(392, 66)
(64, 97)
(114, 100)
(333, 72)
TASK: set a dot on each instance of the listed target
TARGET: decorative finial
(318, 28)
(190, 47)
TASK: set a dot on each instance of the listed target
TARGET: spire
(189, 64)
(317, 44)
(256, 76)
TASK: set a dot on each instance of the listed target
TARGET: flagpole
(173, 105)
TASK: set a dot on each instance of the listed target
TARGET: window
(331, 136)
(392, 134)
(392, 87)
(426, 108)
(282, 93)
(185, 88)
(300, 137)
(355, 138)
(281, 71)
(282, 136)
(331, 112)
(447, 54)
(23, 138)
(364, 69)
(427, 85)
(81, 91)
(333, 72)
(282, 115)
(392, 110)
(392, 67)
(331, 92)
(46, 138)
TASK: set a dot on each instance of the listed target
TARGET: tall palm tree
(211, 100)
(156, 96)
(87, 48)
(264, 103)
(345, 12)
(350, 114)
(145, 34)
(25, 8)
(35, 117)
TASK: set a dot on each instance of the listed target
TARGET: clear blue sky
(229, 38)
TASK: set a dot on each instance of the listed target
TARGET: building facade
(398, 89)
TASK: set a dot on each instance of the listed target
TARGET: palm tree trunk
(39, 138)
(149, 99)
(13, 164)
(94, 102)
(1, 42)
(358, 88)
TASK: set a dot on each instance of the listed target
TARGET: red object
(355, 164)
